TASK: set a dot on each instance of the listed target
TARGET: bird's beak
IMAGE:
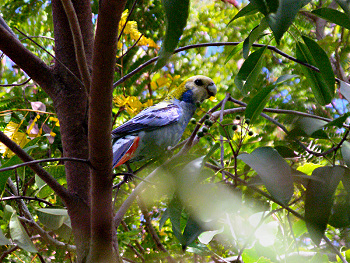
(211, 90)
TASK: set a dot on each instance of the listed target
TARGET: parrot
(149, 134)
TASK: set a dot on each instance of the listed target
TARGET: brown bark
(99, 130)
(71, 108)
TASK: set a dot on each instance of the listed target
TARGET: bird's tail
(124, 149)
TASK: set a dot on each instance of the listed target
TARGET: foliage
(267, 176)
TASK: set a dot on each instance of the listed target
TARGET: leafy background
(260, 188)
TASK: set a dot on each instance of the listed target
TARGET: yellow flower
(131, 29)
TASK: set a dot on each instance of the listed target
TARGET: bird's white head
(195, 89)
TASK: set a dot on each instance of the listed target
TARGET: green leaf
(345, 152)
(340, 215)
(52, 218)
(208, 236)
(323, 93)
(345, 5)
(245, 11)
(265, 7)
(322, 62)
(65, 232)
(164, 218)
(192, 230)
(3, 240)
(273, 170)
(15, 160)
(299, 228)
(253, 36)
(258, 103)
(58, 172)
(309, 127)
(345, 90)
(234, 51)
(175, 214)
(318, 201)
(176, 18)
(285, 78)
(280, 21)
(248, 73)
(333, 16)
(285, 152)
(338, 122)
(20, 236)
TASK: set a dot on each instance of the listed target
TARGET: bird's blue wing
(159, 115)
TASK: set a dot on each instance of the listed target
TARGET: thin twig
(42, 173)
(30, 220)
(7, 252)
(15, 85)
(215, 44)
(137, 41)
(127, 19)
(78, 43)
(14, 197)
(36, 43)
(64, 159)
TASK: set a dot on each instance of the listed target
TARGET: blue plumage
(154, 129)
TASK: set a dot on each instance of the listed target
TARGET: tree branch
(43, 161)
(100, 125)
(78, 43)
(27, 61)
(42, 173)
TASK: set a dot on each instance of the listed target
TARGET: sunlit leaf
(253, 36)
(3, 240)
(234, 51)
(273, 170)
(29, 147)
(299, 228)
(318, 202)
(52, 218)
(207, 236)
(245, 11)
(258, 103)
(18, 137)
(248, 73)
(322, 62)
(176, 18)
(20, 236)
(323, 93)
(164, 218)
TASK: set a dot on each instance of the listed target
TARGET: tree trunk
(71, 104)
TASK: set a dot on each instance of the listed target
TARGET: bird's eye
(199, 82)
